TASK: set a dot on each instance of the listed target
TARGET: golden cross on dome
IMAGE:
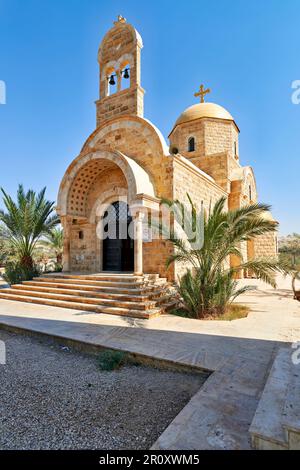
(202, 93)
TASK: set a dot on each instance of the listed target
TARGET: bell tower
(119, 59)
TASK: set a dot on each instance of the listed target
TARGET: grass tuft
(110, 359)
(233, 312)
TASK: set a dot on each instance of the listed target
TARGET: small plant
(111, 360)
(58, 268)
(15, 273)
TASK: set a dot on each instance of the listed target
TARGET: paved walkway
(240, 353)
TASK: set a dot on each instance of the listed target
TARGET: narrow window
(81, 235)
(250, 192)
(112, 80)
(125, 77)
(191, 144)
(235, 149)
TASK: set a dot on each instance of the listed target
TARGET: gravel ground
(54, 398)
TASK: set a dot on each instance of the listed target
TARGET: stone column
(66, 252)
(99, 242)
(119, 80)
(138, 242)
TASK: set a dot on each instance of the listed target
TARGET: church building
(126, 163)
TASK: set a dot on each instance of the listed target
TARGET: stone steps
(85, 307)
(77, 286)
(93, 282)
(83, 299)
(117, 277)
(134, 296)
(276, 424)
(93, 292)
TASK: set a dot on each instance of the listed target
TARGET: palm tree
(54, 243)
(26, 221)
(210, 286)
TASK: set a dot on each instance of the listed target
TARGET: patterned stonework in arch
(79, 178)
(82, 184)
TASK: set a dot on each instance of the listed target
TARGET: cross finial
(202, 93)
(121, 19)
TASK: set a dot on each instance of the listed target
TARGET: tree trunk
(27, 262)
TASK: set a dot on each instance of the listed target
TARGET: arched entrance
(118, 246)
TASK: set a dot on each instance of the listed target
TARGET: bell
(112, 80)
(126, 73)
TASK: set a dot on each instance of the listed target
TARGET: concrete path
(239, 353)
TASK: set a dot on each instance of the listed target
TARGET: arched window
(235, 149)
(112, 82)
(191, 144)
(125, 77)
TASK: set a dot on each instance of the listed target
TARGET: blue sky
(246, 52)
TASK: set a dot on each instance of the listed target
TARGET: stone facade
(126, 158)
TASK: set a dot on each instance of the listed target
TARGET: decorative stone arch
(249, 180)
(138, 182)
(126, 59)
(150, 132)
(140, 195)
(119, 27)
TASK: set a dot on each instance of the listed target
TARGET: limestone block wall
(212, 136)
(120, 48)
(266, 246)
(199, 187)
(220, 136)
(188, 180)
(125, 102)
(133, 138)
(106, 182)
(155, 255)
(217, 167)
(235, 196)
(83, 247)
(181, 134)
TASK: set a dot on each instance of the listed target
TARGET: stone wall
(135, 138)
(155, 255)
(212, 136)
(125, 102)
(266, 246)
(83, 256)
(120, 48)
(200, 188)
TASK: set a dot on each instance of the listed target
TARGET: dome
(267, 215)
(203, 110)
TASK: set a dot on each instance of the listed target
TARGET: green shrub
(111, 360)
(15, 273)
(58, 268)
